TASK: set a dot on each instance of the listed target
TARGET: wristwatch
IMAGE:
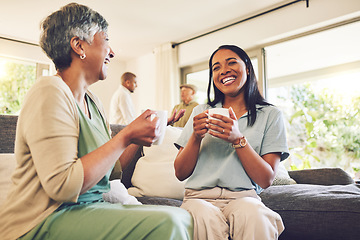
(241, 144)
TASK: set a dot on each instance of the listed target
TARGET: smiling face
(98, 55)
(229, 72)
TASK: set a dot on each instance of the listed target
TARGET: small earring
(82, 57)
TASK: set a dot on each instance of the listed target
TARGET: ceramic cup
(160, 126)
(220, 111)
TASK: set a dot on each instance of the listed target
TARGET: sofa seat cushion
(282, 176)
(316, 212)
(160, 201)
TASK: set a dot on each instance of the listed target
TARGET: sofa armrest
(322, 176)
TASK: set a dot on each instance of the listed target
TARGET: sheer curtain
(167, 77)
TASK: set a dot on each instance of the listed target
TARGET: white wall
(279, 24)
(144, 69)
(106, 88)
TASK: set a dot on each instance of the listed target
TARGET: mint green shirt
(93, 133)
(218, 164)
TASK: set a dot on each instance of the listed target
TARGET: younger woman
(228, 160)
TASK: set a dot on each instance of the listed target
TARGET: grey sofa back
(7, 133)
(7, 142)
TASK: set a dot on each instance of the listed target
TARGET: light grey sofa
(324, 204)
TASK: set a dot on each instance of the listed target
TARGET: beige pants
(219, 214)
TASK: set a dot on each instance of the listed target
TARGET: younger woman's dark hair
(251, 90)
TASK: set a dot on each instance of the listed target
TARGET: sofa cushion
(282, 176)
(7, 166)
(160, 201)
(322, 176)
(314, 211)
(154, 174)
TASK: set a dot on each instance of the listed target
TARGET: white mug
(160, 126)
(220, 111)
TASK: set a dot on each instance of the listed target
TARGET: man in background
(121, 106)
(187, 93)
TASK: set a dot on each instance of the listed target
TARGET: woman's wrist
(124, 137)
(196, 138)
(237, 141)
(240, 142)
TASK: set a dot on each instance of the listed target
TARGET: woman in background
(64, 152)
(228, 160)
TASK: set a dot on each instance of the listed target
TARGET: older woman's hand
(143, 129)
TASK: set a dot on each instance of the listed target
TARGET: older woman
(64, 152)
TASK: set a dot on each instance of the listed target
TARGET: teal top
(93, 134)
(218, 164)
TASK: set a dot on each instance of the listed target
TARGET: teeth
(225, 80)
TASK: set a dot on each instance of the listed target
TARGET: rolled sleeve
(275, 135)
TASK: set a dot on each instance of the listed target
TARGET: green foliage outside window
(14, 84)
(322, 131)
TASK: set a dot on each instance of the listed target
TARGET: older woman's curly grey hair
(70, 21)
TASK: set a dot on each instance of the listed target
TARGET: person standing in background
(187, 94)
(122, 109)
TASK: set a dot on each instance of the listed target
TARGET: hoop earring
(82, 57)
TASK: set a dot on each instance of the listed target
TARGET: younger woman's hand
(225, 128)
(199, 124)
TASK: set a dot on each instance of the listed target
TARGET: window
(200, 79)
(315, 80)
(16, 77)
